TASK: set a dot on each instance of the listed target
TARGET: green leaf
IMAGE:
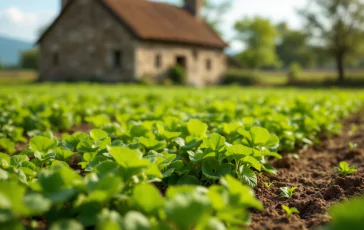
(214, 142)
(273, 142)
(151, 143)
(188, 180)
(37, 204)
(260, 135)
(195, 156)
(4, 160)
(148, 198)
(7, 144)
(41, 144)
(97, 134)
(247, 176)
(237, 152)
(197, 129)
(66, 224)
(98, 120)
(188, 209)
(253, 162)
(128, 158)
(86, 146)
(136, 221)
(213, 170)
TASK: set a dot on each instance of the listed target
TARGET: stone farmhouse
(126, 40)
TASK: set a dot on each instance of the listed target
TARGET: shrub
(178, 75)
(294, 71)
(146, 79)
(29, 59)
(240, 78)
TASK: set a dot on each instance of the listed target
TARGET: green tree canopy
(259, 36)
(293, 47)
(337, 26)
(29, 59)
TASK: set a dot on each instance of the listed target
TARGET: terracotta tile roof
(162, 21)
(158, 22)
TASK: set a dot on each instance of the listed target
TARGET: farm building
(126, 40)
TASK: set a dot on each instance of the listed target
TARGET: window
(117, 59)
(208, 64)
(158, 61)
(55, 59)
(195, 54)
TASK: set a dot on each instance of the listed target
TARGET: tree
(259, 36)
(338, 26)
(1, 65)
(29, 59)
(293, 47)
(214, 12)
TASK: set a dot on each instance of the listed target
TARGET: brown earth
(319, 185)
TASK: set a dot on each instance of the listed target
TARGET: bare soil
(319, 185)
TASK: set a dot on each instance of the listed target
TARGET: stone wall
(82, 44)
(196, 58)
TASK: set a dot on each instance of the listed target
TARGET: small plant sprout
(289, 211)
(268, 185)
(353, 130)
(287, 192)
(345, 169)
(353, 146)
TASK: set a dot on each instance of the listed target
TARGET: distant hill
(10, 50)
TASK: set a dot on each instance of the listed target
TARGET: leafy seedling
(268, 185)
(353, 146)
(289, 211)
(345, 169)
(287, 192)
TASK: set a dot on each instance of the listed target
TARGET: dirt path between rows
(320, 186)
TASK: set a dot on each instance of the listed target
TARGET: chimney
(194, 7)
(64, 3)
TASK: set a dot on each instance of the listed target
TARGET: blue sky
(22, 19)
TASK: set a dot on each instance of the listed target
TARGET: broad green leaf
(128, 158)
(260, 135)
(97, 134)
(136, 221)
(197, 129)
(252, 162)
(214, 142)
(237, 152)
(186, 210)
(147, 198)
(214, 170)
(41, 144)
(66, 224)
(7, 144)
(37, 204)
(247, 176)
(151, 143)
(188, 180)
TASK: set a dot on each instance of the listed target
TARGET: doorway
(181, 61)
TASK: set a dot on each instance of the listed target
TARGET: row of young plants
(109, 182)
(297, 118)
(152, 161)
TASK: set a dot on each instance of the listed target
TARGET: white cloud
(22, 24)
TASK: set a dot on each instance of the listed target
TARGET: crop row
(157, 160)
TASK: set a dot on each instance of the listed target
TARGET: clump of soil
(319, 185)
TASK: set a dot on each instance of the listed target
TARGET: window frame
(117, 59)
(158, 62)
(208, 64)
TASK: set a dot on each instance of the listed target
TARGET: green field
(265, 78)
(134, 157)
